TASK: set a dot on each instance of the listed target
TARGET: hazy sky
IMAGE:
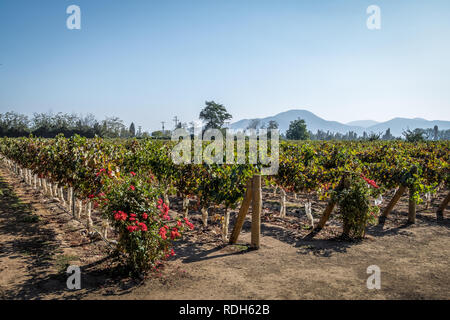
(148, 61)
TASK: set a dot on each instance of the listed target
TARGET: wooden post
(61, 195)
(204, 216)
(69, 198)
(242, 212)
(226, 222)
(105, 229)
(440, 211)
(326, 215)
(80, 209)
(392, 203)
(344, 183)
(74, 207)
(89, 219)
(412, 207)
(256, 211)
(283, 204)
(185, 207)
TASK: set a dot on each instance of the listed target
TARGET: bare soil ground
(38, 240)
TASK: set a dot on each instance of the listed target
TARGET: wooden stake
(344, 183)
(89, 219)
(242, 213)
(105, 229)
(283, 204)
(204, 216)
(326, 214)
(440, 211)
(226, 222)
(186, 207)
(256, 211)
(73, 203)
(412, 207)
(80, 209)
(393, 201)
(69, 198)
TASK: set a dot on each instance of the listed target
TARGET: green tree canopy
(214, 114)
(297, 130)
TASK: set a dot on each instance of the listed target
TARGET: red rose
(144, 216)
(143, 226)
(132, 187)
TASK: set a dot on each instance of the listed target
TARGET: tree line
(213, 115)
(49, 125)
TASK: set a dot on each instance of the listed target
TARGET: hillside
(314, 123)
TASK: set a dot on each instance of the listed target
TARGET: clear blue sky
(148, 61)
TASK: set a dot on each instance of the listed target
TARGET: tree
(436, 133)
(214, 114)
(132, 130)
(254, 123)
(13, 124)
(388, 135)
(374, 136)
(417, 135)
(297, 130)
(112, 127)
(272, 125)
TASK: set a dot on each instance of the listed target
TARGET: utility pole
(176, 121)
(162, 126)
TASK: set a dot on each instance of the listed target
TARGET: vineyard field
(98, 196)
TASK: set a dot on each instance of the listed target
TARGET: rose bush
(355, 209)
(135, 210)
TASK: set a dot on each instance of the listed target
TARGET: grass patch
(30, 218)
(62, 262)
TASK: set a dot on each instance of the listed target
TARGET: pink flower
(132, 187)
(144, 216)
(132, 173)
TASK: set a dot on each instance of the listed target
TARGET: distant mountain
(398, 125)
(314, 123)
(363, 123)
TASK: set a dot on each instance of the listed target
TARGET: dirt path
(414, 260)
